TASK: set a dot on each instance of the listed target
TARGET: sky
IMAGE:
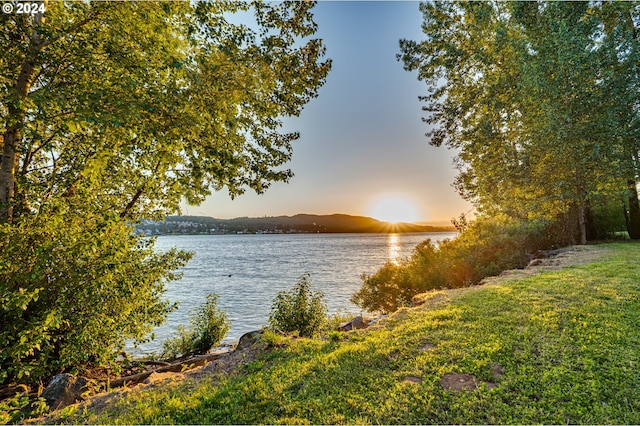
(363, 149)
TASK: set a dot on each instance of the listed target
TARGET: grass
(568, 343)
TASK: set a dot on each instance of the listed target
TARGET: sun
(394, 209)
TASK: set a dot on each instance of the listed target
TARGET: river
(247, 271)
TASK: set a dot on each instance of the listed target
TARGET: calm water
(247, 271)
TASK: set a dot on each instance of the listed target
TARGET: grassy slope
(568, 342)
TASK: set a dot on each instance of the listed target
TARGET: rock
(461, 382)
(64, 389)
(540, 254)
(427, 347)
(377, 319)
(458, 382)
(496, 370)
(544, 254)
(248, 340)
(535, 262)
(356, 323)
(418, 300)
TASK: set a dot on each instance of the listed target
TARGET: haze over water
(248, 271)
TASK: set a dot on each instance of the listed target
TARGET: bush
(485, 247)
(394, 285)
(299, 309)
(209, 326)
(73, 288)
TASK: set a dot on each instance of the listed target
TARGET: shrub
(208, 326)
(299, 309)
(485, 247)
(73, 288)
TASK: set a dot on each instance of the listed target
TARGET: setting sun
(394, 209)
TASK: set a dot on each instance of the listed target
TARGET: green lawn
(568, 343)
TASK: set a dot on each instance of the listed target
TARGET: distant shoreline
(297, 224)
(303, 233)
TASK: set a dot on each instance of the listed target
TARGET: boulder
(249, 339)
(64, 389)
(535, 262)
(377, 319)
(356, 323)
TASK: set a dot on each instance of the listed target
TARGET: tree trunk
(592, 228)
(633, 224)
(582, 223)
(8, 166)
(625, 212)
(16, 116)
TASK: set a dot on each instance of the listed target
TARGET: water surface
(247, 271)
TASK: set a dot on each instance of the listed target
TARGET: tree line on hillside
(113, 112)
(541, 102)
(300, 223)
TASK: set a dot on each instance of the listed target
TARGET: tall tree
(142, 103)
(115, 111)
(516, 88)
(620, 40)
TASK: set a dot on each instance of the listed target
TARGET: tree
(516, 88)
(143, 103)
(114, 111)
(73, 289)
(621, 50)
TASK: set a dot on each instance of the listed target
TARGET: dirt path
(565, 257)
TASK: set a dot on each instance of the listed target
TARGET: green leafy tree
(517, 89)
(299, 309)
(620, 42)
(115, 111)
(132, 106)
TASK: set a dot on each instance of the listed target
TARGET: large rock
(249, 339)
(64, 389)
(356, 323)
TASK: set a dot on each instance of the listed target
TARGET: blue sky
(362, 140)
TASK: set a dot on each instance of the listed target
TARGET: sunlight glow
(393, 245)
(394, 209)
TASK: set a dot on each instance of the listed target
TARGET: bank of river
(550, 344)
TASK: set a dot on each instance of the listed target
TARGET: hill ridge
(298, 223)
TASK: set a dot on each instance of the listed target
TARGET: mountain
(300, 223)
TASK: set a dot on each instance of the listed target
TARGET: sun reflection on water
(393, 247)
